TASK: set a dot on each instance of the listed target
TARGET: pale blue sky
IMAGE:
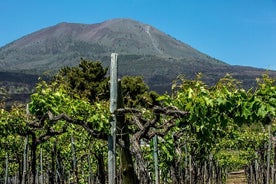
(239, 32)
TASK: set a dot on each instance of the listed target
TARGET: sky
(238, 32)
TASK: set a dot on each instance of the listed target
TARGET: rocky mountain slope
(64, 43)
(143, 50)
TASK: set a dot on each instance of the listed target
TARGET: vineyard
(197, 134)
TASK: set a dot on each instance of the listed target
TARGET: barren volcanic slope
(64, 43)
(143, 50)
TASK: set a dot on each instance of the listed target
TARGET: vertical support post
(7, 169)
(268, 155)
(41, 166)
(155, 155)
(25, 152)
(190, 168)
(113, 107)
(256, 167)
(186, 164)
(75, 168)
(89, 170)
(25, 161)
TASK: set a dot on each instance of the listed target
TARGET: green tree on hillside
(86, 80)
(90, 80)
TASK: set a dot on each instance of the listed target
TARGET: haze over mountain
(143, 50)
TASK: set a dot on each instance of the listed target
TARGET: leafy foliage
(223, 125)
(87, 80)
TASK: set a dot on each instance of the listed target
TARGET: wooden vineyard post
(268, 155)
(7, 169)
(113, 107)
(74, 161)
(256, 167)
(25, 162)
(155, 155)
(41, 166)
(25, 152)
(89, 170)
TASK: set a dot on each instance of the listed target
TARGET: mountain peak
(143, 50)
(122, 35)
(120, 20)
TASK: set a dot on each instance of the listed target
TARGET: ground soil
(237, 177)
